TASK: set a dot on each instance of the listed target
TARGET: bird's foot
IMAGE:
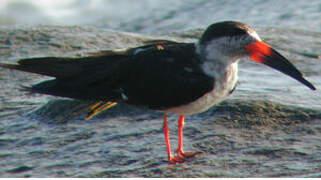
(184, 155)
(176, 159)
(181, 156)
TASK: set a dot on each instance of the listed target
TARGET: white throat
(225, 79)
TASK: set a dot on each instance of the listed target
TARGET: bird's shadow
(248, 112)
(59, 111)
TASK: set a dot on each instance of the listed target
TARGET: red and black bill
(263, 53)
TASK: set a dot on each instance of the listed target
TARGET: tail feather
(60, 88)
(86, 78)
(49, 66)
(50, 87)
(62, 67)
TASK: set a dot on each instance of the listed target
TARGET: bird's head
(228, 41)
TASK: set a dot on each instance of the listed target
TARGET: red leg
(171, 158)
(180, 152)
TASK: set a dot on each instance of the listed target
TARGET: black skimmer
(171, 77)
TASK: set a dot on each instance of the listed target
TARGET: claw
(176, 159)
(184, 155)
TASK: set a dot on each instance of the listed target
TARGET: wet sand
(249, 135)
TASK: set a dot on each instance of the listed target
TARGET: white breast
(224, 82)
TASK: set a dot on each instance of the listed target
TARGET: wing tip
(9, 66)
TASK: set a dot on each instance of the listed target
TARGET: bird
(162, 75)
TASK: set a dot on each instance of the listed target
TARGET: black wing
(85, 78)
(164, 76)
(156, 76)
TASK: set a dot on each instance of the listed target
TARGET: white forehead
(255, 35)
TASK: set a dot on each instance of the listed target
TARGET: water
(269, 127)
(162, 15)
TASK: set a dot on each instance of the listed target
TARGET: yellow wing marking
(99, 107)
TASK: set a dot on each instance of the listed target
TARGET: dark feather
(156, 76)
(170, 76)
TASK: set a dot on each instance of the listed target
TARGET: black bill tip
(263, 53)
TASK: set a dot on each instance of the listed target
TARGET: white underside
(224, 83)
